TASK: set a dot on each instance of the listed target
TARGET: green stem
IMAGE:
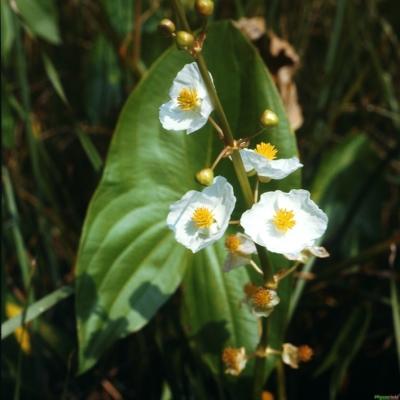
(243, 181)
(280, 371)
(180, 12)
(239, 9)
(284, 274)
(236, 159)
(228, 137)
(259, 371)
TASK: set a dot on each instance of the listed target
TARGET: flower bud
(166, 27)
(305, 353)
(269, 118)
(204, 7)
(205, 176)
(184, 39)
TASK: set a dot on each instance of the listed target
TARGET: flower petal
(269, 169)
(173, 119)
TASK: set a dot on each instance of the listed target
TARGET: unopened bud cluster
(186, 40)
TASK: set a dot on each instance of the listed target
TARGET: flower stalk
(243, 181)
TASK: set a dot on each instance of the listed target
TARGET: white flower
(235, 360)
(260, 300)
(190, 105)
(305, 254)
(199, 219)
(262, 161)
(240, 248)
(285, 223)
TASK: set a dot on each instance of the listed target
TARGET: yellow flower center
(232, 243)
(233, 359)
(267, 150)
(261, 297)
(188, 99)
(284, 220)
(203, 217)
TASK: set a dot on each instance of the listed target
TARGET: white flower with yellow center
(263, 161)
(199, 219)
(285, 223)
(240, 248)
(190, 105)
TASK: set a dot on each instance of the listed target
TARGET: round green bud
(166, 27)
(205, 176)
(184, 39)
(269, 118)
(204, 7)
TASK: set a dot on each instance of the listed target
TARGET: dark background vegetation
(54, 149)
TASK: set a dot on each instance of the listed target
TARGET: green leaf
(335, 162)
(7, 122)
(55, 80)
(7, 31)
(41, 18)
(128, 262)
(212, 312)
(346, 347)
(103, 87)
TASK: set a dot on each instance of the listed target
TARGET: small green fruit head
(269, 118)
(204, 7)
(205, 176)
(166, 27)
(184, 40)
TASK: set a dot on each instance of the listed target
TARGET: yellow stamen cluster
(305, 353)
(284, 220)
(203, 217)
(232, 243)
(188, 99)
(261, 297)
(267, 150)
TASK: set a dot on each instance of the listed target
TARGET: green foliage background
(68, 69)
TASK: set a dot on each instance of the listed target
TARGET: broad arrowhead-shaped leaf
(129, 263)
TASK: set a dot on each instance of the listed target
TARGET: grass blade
(36, 309)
